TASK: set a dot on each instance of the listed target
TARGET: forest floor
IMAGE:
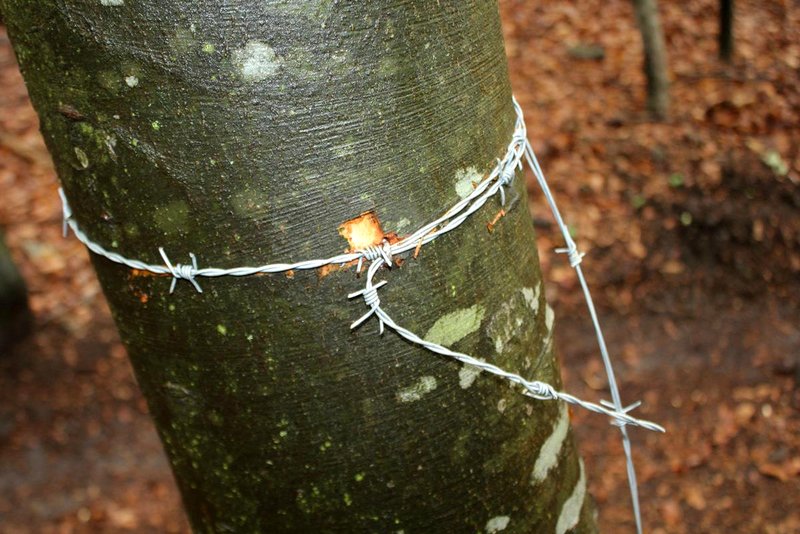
(693, 238)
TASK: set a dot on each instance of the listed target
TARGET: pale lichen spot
(416, 391)
(496, 524)
(131, 81)
(531, 296)
(507, 323)
(257, 61)
(549, 317)
(112, 3)
(456, 325)
(467, 375)
(466, 180)
(551, 448)
(111, 143)
(571, 511)
(178, 389)
(83, 159)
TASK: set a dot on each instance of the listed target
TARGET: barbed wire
(500, 177)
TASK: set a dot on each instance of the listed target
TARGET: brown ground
(693, 236)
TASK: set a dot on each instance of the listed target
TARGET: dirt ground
(692, 231)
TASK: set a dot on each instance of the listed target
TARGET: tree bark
(726, 10)
(247, 132)
(655, 57)
(15, 315)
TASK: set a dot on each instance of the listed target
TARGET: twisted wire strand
(501, 176)
(450, 220)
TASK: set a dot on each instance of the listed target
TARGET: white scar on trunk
(257, 61)
(415, 392)
(496, 524)
(467, 375)
(548, 455)
(571, 511)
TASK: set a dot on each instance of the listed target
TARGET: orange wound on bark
(362, 231)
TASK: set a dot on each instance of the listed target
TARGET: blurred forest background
(692, 228)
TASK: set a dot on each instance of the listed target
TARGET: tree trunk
(246, 133)
(15, 316)
(655, 57)
(726, 10)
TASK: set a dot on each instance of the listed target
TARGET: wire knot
(540, 390)
(572, 252)
(507, 172)
(66, 211)
(180, 271)
(374, 252)
(371, 299)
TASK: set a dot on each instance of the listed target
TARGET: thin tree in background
(655, 57)
(726, 18)
(15, 315)
(248, 133)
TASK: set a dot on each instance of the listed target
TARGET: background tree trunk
(726, 10)
(655, 57)
(15, 316)
(248, 132)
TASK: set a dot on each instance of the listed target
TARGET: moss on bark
(247, 132)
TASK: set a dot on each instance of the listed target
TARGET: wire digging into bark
(501, 176)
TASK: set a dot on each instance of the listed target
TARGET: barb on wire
(181, 272)
(572, 252)
(384, 250)
(370, 295)
(626, 409)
